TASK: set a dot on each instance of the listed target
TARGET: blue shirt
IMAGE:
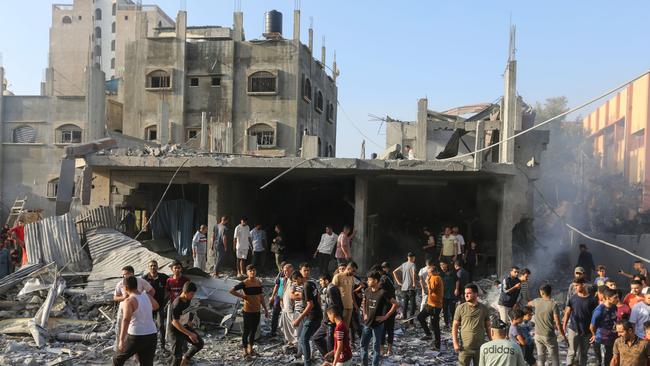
(258, 237)
(524, 330)
(604, 319)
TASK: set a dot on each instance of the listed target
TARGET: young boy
(342, 351)
(182, 329)
(602, 278)
(250, 290)
(514, 333)
(602, 328)
(526, 328)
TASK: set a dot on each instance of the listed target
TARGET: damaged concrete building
(202, 119)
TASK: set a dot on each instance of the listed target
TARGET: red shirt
(622, 310)
(631, 300)
(175, 287)
(342, 336)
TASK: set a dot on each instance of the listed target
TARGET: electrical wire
(548, 120)
(355, 126)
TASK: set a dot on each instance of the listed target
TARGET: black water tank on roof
(273, 22)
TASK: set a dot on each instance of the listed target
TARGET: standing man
(586, 261)
(423, 276)
(547, 318)
(18, 232)
(430, 247)
(277, 247)
(629, 349)
(450, 284)
(579, 310)
(408, 151)
(524, 291)
(258, 236)
(635, 295)
(603, 326)
(276, 296)
(343, 249)
(500, 351)
(286, 316)
(250, 290)
(473, 320)
(138, 331)
(345, 283)
(242, 243)
(374, 305)
(200, 247)
(638, 266)
(449, 250)
(120, 295)
(311, 315)
(182, 328)
(460, 241)
(158, 281)
(220, 235)
(641, 313)
(433, 307)
(330, 298)
(174, 288)
(323, 253)
(407, 282)
(388, 285)
(510, 288)
(463, 277)
(578, 272)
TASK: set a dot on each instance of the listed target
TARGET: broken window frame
(264, 134)
(191, 133)
(68, 134)
(216, 84)
(52, 188)
(194, 82)
(148, 133)
(262, 83)
(159, 80)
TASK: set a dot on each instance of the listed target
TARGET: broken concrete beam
(38, 325)
(83, 337)
(81, 150)
(391, 153)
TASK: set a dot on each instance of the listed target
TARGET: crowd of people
(341, 312)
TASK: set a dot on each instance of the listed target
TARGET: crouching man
(182, 331)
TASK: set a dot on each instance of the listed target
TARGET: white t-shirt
(327, 243)
(243, 236)
(143, 286)
(424, 276)
(461, 242)
(640, 314)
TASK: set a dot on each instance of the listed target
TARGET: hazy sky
(393, 52)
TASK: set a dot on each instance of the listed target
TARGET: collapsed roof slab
(236, 164)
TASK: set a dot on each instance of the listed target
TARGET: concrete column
(421, 142)
(296, 25)
(360, 250)
(479, 143)
(238, 26)
(505, 224)
(217, 207)
(204, 131)
(508, 115)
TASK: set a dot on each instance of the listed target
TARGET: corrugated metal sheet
(112, 250)
(101, 217)
(55, 239)
(24, 271)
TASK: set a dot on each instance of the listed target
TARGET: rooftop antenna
(311, 22)
(296, 4)
(238, 6)
(183, 5)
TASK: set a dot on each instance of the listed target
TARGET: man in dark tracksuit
(331, 296)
